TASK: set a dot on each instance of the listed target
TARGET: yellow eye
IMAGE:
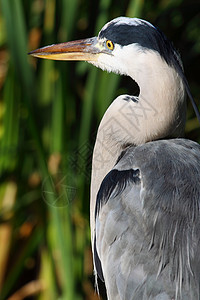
(110, 45)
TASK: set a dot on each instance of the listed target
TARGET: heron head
(119, 42)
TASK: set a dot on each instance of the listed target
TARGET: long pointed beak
(87, 50)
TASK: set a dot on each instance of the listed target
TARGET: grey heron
(145, 197)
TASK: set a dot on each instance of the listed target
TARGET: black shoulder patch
(97, 262)
(131, 98)
(115, 181)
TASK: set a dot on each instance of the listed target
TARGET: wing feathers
(114, 184)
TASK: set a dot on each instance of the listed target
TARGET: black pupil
(109, 45)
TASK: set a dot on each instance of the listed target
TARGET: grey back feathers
(148, 224)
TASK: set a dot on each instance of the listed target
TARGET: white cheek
(110, 62)
(104, 62)
(120, 60)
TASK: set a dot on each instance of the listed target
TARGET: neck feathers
(157, 113)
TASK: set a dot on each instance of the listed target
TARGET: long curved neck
(158, 112)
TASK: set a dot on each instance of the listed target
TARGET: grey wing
(147, 236)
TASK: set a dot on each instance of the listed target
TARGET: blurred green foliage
(49, 113)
